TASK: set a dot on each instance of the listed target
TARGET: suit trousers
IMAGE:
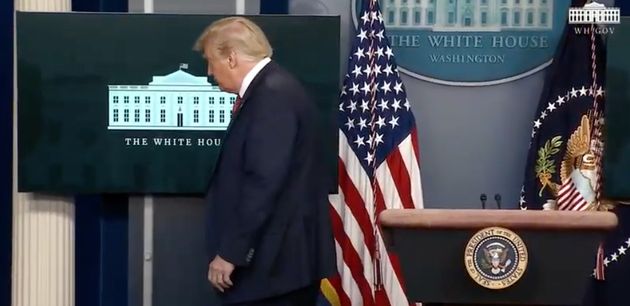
(306, 296)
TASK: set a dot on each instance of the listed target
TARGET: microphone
(483, 199)
(497, 197)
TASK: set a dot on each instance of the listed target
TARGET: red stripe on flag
(352, 259)
(380, 297)
(416, 146)
(401, 178)
(356, 205)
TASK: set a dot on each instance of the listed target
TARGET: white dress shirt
(252, 74)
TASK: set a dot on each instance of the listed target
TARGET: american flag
(378, 168)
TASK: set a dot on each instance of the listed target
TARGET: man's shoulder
(278, 77)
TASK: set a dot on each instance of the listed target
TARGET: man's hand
(219, 272)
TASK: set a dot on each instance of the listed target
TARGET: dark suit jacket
(268, 206)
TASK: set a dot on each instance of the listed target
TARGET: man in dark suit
(270, 237)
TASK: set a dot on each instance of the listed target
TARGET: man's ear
(232, 59)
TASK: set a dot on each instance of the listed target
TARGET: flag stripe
(415, 146)
(355, 203)
(352, 259)
(349, 286)
(408, 148)
(357, 239)
(401, 178)
(389, 193)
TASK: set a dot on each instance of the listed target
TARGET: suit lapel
(251, 88)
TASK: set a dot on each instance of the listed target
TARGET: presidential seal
(495, 258)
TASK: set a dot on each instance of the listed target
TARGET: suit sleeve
(269, 144)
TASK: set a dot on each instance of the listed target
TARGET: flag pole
(378, 282)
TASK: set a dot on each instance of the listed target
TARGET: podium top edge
(480, 218)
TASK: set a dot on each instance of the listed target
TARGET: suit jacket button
(250, 255)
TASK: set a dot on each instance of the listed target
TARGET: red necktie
(237, 105)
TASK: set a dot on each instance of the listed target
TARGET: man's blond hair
(236, 34)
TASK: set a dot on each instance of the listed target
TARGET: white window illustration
(517, 18)
(417, 17)
(467, 18)
(530, 17)
(430, 17)
(180, 94)
(543, 18)
(504, 17)
(468, 15)
(404, 16)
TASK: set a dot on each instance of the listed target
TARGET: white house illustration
(594, 12)
(468, 15)
(177, 101)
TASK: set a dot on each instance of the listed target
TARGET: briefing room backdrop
(472, 140)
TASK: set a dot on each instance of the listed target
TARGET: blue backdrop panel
(6, 147)
(100, 5)
(101, 250)
(274, 6)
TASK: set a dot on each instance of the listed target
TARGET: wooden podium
(495, 257)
